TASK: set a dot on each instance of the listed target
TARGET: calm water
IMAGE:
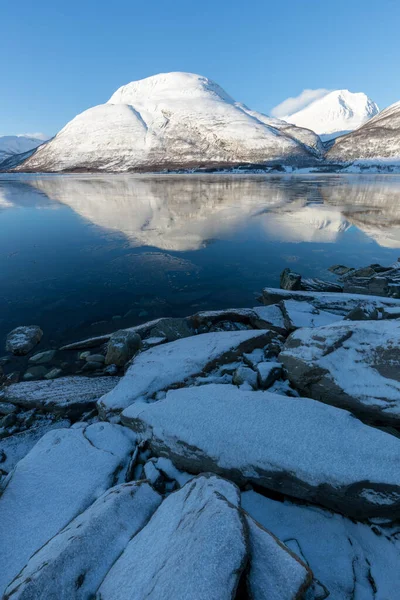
(86, 254)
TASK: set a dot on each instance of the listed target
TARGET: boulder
(21, 340)
(122, 346)
(41, 358)
(34, 373)
(71, 396)
(349, 560)
(58, 479)
(290, 280)
(295, 446)
(268, 373)
(177, 363)
(68, 566)
(350, 364)
(245, 375)
(195, 546)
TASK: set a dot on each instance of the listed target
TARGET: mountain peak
(336, 113)
(165, 86)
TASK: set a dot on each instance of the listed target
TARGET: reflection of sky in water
(79, 249)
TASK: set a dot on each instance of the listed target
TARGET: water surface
(84, 254)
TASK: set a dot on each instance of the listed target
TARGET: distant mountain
(336, 113)
(378, 139)
(17, 144)
(168, 122)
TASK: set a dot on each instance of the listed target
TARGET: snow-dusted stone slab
(353, 365)
(296, 446)
(72, 565)
(175, 363)
(269, 317)
(70, 396)
(18, 445)
(349, 560)
(275, 572)
(59, 478)
(193, 547)
(304, 314)
(337, 303)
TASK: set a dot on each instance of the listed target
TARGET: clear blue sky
(61, 57)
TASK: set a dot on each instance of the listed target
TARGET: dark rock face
(351, 364)
(290, 280)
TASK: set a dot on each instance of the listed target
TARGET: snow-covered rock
(349, 560)
(72, 565)
(21, 340)
(296, 446)
(71, 396)
(16, 446)
(168, 121)
(335, 114)
(376, 141)
(336, 303)
(177, 363)
(275, 572)
(59, 478)
(354, 365)
(195, 546)
(304, 314)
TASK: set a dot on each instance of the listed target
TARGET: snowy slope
(335, 114)
(168, 121)
(377, 139)
(306, 136)
(16, 144)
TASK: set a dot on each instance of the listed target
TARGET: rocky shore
(240, 454)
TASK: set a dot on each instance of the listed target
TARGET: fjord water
(85, 254)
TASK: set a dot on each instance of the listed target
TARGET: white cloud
(292, 105)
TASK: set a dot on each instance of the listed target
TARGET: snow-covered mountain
(376, 141)
(335, 114)
(17, 144)
(171, 121)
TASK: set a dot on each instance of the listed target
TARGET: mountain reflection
(181, 213)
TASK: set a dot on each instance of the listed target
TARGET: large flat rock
(349, 560)
(69, 396)
(195, 546)
(175, 363)
(296, 446)
(58, 479)
(353, 365)
(72, 565)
